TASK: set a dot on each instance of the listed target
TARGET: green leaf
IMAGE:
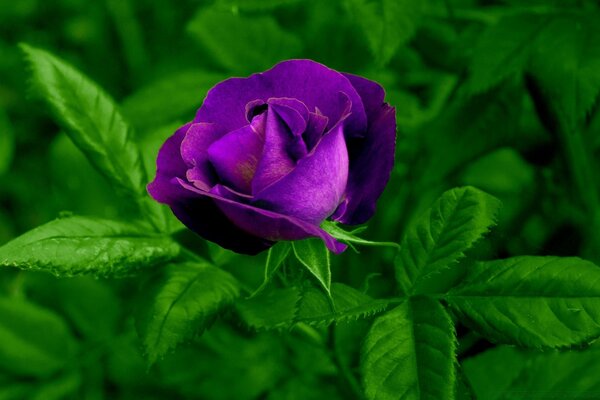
(275, 258)
(565, 65)
(316, 309)
(387, 24)
(282, 308)
(81, 245)
(33, 341)
(179, 302)
(348, 237)
(409, 353)
(7, 142)
(504, 50)
(531, 301)
(313, 255)
(458, 219)
(90, 118)
(243, 44)
(147, 108)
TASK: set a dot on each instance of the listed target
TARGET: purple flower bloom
(269, 157)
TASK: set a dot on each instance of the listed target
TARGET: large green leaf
(441, 236)
(242, 44)
(185, 91)
(33, 341)
(82, 245)
(179, 302)
(409, 353)
(91, 119)
(314, 256)
(387, 24)
(531, 301)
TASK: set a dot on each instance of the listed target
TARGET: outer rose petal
(199, 214)
(371, 162)
(169, 165)
(262, 223)
(310, 82)
(313, 190)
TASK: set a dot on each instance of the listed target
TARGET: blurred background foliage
(499, 94)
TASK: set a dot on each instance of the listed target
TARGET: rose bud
(271, 156)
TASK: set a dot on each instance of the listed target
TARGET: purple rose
(271, 156)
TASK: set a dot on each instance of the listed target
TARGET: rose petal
(371, 93)
(313, 190)
(194, 152)
(263, 223)
(372, 159)
(235, 156)
(312, 83)
(275, 161)
(201, 215)
(315, 129)
(168, 165)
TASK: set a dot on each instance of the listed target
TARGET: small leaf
(33, 341)
(275, 258)
(387, 24)
(409, 353)
(146, 108)
(179, 302)
(316, 309)
(348, 237)
(313, 254)
(7, 142)
(565, 65)
(271, 309)
(81, 245)
(282, 308)
(243, 44)
(458, 219)
(531, 301)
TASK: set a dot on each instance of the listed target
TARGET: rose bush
(271, 156)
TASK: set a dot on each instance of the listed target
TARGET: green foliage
(243, 44)
(34, 341)
(183, 299)
(314, 256)
(500, 95)
(409, 353)
(531, 301)
(441, 236)
(82, 245)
